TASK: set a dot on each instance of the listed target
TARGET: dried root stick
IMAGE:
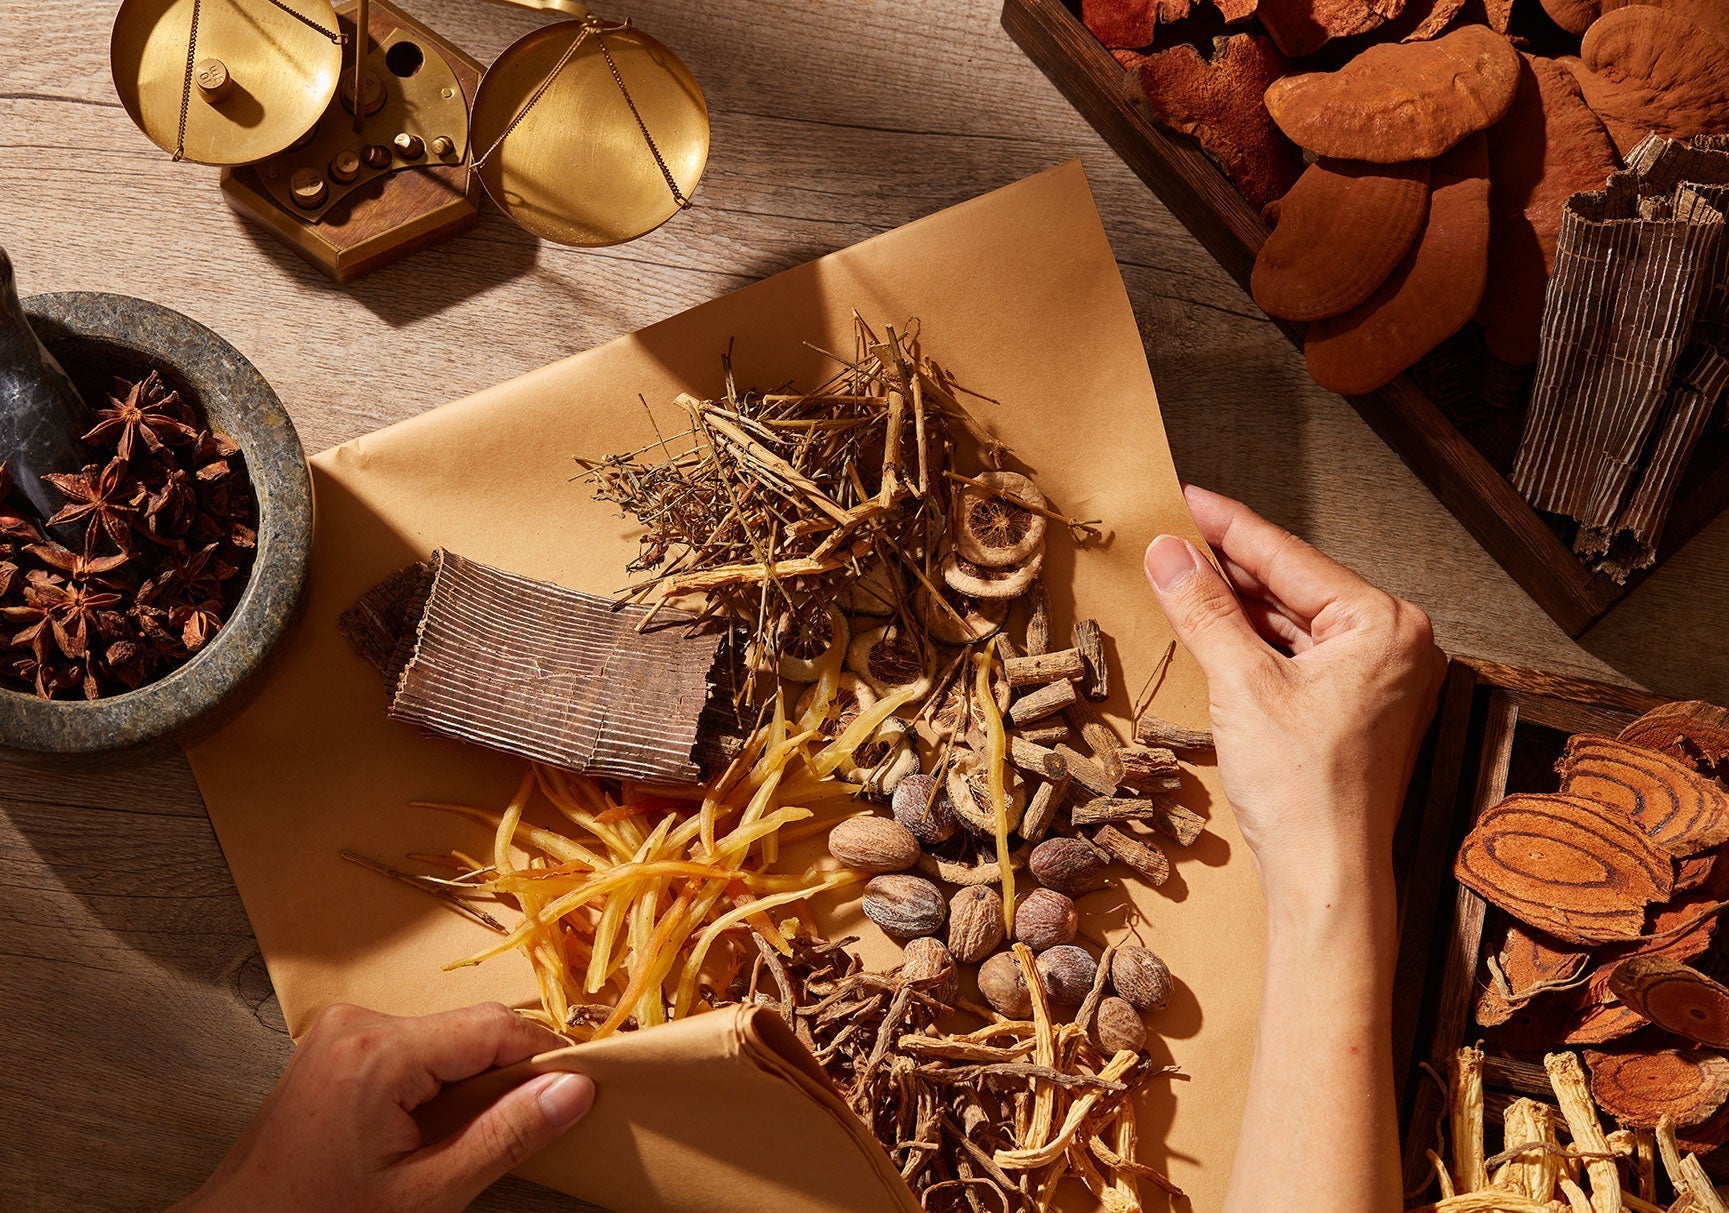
(1567, 1077)
(1686, 1174)
(1468, 1170)
(1577, 1201)
(1530, 1172)
(1490, 1201)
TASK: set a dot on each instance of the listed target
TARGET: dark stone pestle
(41, 413)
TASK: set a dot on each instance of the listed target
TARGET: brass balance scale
(357, 150)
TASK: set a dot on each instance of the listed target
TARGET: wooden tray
(1466, 471)
(1499, 729)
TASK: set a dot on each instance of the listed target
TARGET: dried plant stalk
(1574, 1097)
(1468, 1169)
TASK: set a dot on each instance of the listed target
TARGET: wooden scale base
(408, 195)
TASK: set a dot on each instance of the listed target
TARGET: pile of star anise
(146, 558)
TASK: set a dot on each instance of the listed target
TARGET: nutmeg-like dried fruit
(873, 844)
(923, 809)
(1399, 102)
(994, 526)
(1138, 975)
(1044, 919)
(905, 906)
(926, 960)
(1005, 986)
(975, 923)
(1118, 1026)
(1068, 865)
(1068, 972)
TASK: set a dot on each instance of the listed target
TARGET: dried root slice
(805, 641)
(889, 658)
(1402, 101)
(1676, 998)
(992, 525)
(969, 620)
(1640, 1088)
(1683, 812)
(1645, 69)
(853, 696)
(1581, 871)
(1217, 102)
(879, 765)
(1532, 963)
(975, 581)
(1342, 229)
(1691, 730)
(1430, 295)
(1302, 27)
(1602, 1024)
(970, 796)
(876, 594)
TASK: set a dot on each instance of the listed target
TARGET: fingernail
(567, 1098)
(1169, 560)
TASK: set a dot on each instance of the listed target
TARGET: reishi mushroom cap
(1428, 297)
(1549, 147)
(1302, 27)
(1217, 102)
(1342, 229)
(1574, 16)
(1645, 69)
(1712, 16)
(1400, 101)
(1130, 23)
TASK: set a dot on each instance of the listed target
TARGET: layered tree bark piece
(1574, 16)
(1683, 812)
(1645, 69)
(1548, 147)
(1691, 730)
(1675, 997)
(1342, 230)
(1130, 23)
(1217, 102)
(1302, 27)
(1581, 871)
(1639, 1087)
(1429, 295)
(1401, 101)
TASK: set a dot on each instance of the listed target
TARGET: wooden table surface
(138, 1030)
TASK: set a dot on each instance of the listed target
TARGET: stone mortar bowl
(95, 336)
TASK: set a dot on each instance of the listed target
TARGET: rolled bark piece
(1046, 701)
(1581, 871)
(1149, 768)
(1675, 997)
(1680, 810)
(543, 672)
(1085, 771)
(1549, 147)
(1034, 759)
(1163, 814)
(1342, 230)
(1041, 811)
(1039, 668)
(1691, 730)
(1045, 733)
(1144, 859)
(1400, 102)
(1640, 1088)
(1090, 642)
(1156, 731)
(1430, 295)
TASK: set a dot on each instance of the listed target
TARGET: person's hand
(338, 1135)
(1314, 747)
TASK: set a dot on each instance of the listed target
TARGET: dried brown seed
(975, 923)
(905, 906)
(975, 581)
(1138, 975)
(1046, 919)
(873, 844)
(1069, 865)
(1067, 972)
(1005, 987)
(924, 810)
(1118, 1026)
(926, 959)
(996, 531)
(889, 658)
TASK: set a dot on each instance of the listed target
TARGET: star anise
(168, 509)
(36, 669)
(148, 411)
(77, 566)
(72, 610)
(27, 627)
(106, 497)
(198, 622)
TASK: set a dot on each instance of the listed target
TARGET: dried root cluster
(1609, 892)
(1595, 1170)
(990, 1119)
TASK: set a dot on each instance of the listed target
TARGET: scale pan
(578, 169)
(283, 74)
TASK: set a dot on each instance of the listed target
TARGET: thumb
(522, 1123)
(1203, 610)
